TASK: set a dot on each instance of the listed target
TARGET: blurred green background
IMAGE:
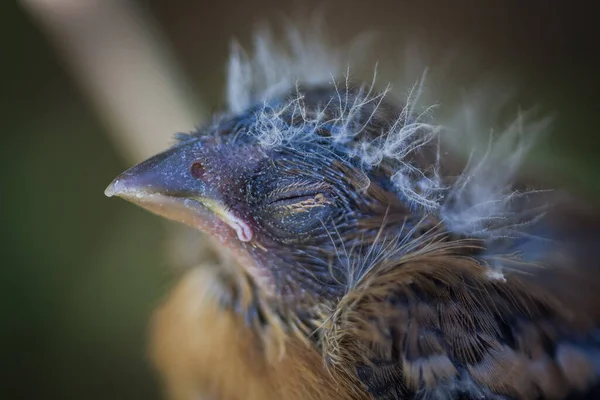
(81, 273)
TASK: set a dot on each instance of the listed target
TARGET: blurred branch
(121, 62)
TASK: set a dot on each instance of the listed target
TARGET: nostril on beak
(197, 170)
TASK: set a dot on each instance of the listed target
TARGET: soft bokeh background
(81, 273)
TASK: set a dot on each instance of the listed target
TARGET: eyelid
(309, 189)
(303, 203)
(299, 196)
(289, 216)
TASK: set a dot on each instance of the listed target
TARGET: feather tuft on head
(480, 201)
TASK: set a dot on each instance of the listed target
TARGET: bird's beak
(164, 185)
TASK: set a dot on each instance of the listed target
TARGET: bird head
(285, 187)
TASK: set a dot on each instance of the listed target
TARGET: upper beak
(164, 185)
(166, 173)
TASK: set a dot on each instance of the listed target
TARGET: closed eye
(299, 203)
(297, 190)
(291, 197)
(291, 215)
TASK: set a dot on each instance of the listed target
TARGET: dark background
(81, 273)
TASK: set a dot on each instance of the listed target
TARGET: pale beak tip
(115, 188)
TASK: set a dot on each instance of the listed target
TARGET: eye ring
(197, 170)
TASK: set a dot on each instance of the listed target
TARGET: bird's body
(359, 263)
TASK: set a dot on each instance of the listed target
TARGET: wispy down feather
(481, 201)
(274, 68)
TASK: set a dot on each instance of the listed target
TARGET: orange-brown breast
(205, 352)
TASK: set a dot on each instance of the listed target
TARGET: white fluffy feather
(275, 68)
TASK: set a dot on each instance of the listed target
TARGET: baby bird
(358, 259)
